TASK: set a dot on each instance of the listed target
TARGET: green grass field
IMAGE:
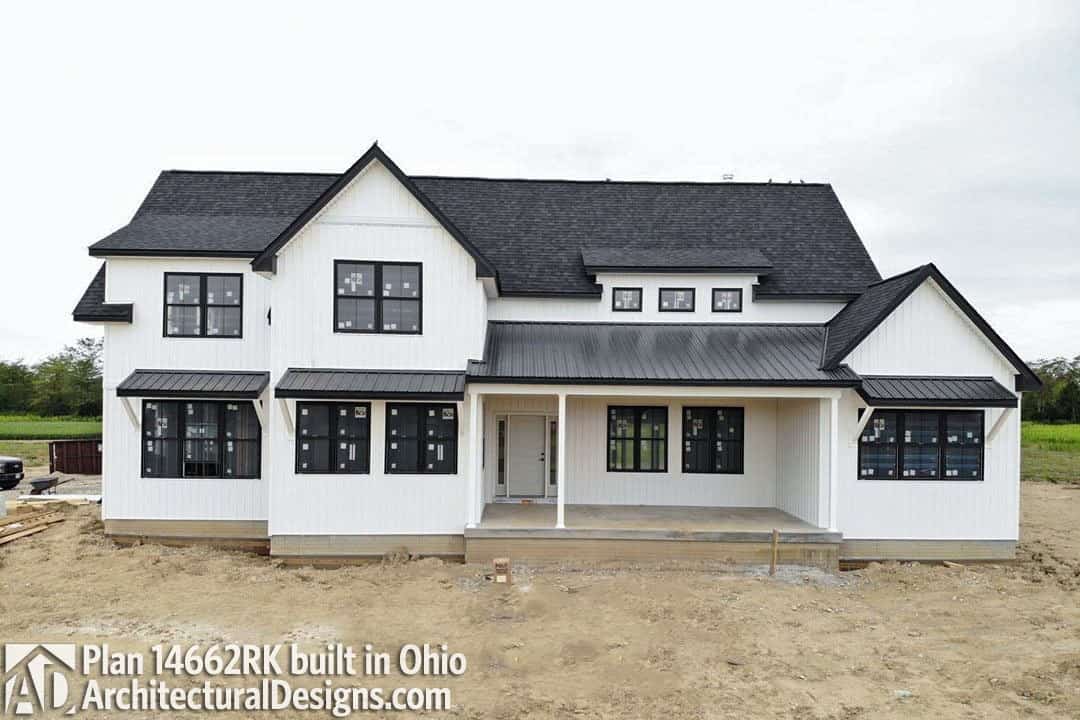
(1051, 452)
(32, 427)
(33, 453)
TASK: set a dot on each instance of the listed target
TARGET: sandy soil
(69, 484)
(677, 641)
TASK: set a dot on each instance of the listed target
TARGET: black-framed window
(727, 300)
(713, 440)
(203, 305)
(333, 438)
(626, 299)
(215, 439)
(676, 300)
(637, 439)
(922, 445)
(421, 438)
(378, 297)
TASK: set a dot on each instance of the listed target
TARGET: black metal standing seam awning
(731, 355)
(227, 384)
(371, 384)
(905, 391)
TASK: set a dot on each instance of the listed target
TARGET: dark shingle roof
(851, 325)
(886, 390)
(665, 354)
(532, 231)
(347, 383)
(740, 260)
(93, 308)
(240, 384)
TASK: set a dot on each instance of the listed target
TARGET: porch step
(808, 536)
(525, 500)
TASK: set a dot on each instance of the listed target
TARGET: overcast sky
(950, 131)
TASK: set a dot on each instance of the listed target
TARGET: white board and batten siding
(589, 482)
(600, 310)
(801, 475)
(374, 219)
(141, 344)
(928, 335)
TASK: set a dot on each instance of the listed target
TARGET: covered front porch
(675, 440)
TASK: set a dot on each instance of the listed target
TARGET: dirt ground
(674, 641)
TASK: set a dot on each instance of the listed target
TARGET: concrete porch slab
(648, 522)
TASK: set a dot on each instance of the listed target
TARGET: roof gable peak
(266, 261)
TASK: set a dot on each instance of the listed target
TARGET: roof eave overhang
(677, 269)
(624, 382)
(758, 294)
(188, 394)
(879, 402)
(583, 294)
(157, 252)
(286, 394)
(123, 313)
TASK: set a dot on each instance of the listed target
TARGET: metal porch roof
(657, 354)
(892, 390)
(349, 383)
(194, 383)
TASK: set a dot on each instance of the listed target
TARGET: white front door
(527, 466)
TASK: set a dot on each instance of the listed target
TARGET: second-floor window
(727, 300)
(377, 297)
(626, 299)
(676, 299)
(204, 305)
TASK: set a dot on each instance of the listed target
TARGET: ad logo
(35, 676)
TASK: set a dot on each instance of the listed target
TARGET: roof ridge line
(608, 181)
(658, 323)
(915, 269)
(309, 173)
(397, 371)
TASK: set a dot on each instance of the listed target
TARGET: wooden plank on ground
(23, 533)
(19, 526)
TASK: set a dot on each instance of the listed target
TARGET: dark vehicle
(11, 472)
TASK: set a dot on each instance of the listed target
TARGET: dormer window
(676, 299)
(626, 299)
(377, 297)
(727, 300)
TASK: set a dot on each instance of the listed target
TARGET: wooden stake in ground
(775, 551)
(503, 573)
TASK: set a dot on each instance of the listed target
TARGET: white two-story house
(337, 366)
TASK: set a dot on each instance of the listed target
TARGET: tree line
(67, 383)
(1059, 399)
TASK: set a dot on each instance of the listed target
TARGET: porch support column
(474, 460)
(560, 468)
(834, 462)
